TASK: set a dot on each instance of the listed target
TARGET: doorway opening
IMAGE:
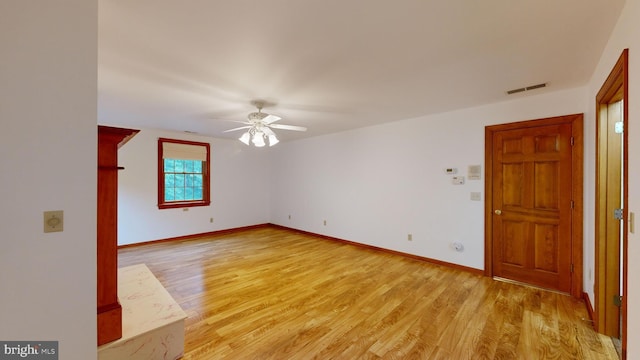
(610, 286)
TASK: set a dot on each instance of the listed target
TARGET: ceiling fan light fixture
(273, 140)
(245, 138)
(258, 139)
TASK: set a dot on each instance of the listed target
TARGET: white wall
(48, 82)
(378, 184)
(239, 190)
(625, 35)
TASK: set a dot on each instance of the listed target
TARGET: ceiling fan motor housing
(257, 116)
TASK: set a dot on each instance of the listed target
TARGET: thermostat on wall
(457, 180)
(451, 171)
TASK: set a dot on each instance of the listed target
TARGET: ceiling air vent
(527, 88)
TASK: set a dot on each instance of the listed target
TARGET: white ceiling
(335, 65)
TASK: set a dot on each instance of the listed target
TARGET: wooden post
(110, 139)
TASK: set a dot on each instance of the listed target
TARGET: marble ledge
(152, 321)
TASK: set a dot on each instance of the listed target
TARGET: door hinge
(572, 204)
(572, 141)
(571, 269)
(617, 214)
(617, 300)
(619, 127)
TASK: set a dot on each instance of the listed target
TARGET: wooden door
(612, 192)
(531, 172)
(609, 199)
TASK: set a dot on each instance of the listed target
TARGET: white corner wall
(625, 35)
(378, 184)
(239, 190)
(48, 96)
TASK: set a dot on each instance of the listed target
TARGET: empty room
(296, 180)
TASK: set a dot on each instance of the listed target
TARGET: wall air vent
(526, 88)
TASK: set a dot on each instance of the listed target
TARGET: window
(183, 173)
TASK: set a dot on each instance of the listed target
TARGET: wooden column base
(109, 323)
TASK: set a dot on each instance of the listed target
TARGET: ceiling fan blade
(270, 119)
(288, 127)
(238, 128)
(267, 131)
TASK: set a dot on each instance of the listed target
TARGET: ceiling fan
(259, 127)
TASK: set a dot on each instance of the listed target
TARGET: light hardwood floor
(272, 293)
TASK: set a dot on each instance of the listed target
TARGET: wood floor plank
(272, 293)
(467, 306)
(477, 338)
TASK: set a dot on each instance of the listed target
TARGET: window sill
(183, 204)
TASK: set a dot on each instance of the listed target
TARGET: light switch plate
(53, 221)
(474, 172)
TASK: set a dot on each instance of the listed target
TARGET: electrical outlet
(325, 222)
(410, 237)
(53, 221)
(289, 216)
(211, 220)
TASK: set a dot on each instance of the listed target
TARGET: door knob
(498, 212)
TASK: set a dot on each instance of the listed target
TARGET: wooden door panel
(512, 146)
(512, 176)
(547, 144)
(546, 247)
(532, 190)
(513, 245)
(545, 185)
